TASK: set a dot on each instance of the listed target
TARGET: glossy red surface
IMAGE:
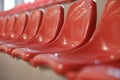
(76, 31)
(19, 26)
(18, 29)
(2, 25)
(71, 50)
(103, 47)
(33, 24)
(49, 29)
(109, 71)
(34, 20)
(9, 26)
(51, 25)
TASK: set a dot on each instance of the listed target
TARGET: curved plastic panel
(76, 31)
(109, 71)
(19, 25)
(9, 27)
(29, 31)
(17, 31)
(3, 25)
(49, 29)
(34, 22)
(51, 25)
(101, 48)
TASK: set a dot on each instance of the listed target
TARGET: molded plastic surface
(50, 27)
(3, 25)
(103, 47)
(30, 30)
(19, 26)
(78, 27)
(109, 71)
(33, 25)
(9, 26)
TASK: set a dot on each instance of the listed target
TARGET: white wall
(2, 3)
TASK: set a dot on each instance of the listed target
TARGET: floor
(15, 69)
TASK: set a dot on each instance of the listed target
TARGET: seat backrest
(9, 26)
(33, 24)
(80, 22)
(19, 25)
(3, 24)
(108, 33)
(51, 24)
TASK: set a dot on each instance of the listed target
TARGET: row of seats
(72, 46)
(52, 35)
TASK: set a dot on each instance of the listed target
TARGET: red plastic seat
(8, 28)
(109, 71)
(18, 28)
(76, 31)
(2, 25)
(50, 27)
(25, 33)
(103, 47)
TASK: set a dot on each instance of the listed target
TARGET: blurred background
(6, 5)
(14, 69)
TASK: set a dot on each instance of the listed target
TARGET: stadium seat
(78, 28)
(110, 71)
(102, 48)
(7, 29)
(26, 33)
(49, 29)
(18, 28)
(2, 25)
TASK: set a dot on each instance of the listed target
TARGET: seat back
(19, 25)
(9, 26)
(51, 24)
(34, 22)
(80, 23)
(107, 36)
(3, 25)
